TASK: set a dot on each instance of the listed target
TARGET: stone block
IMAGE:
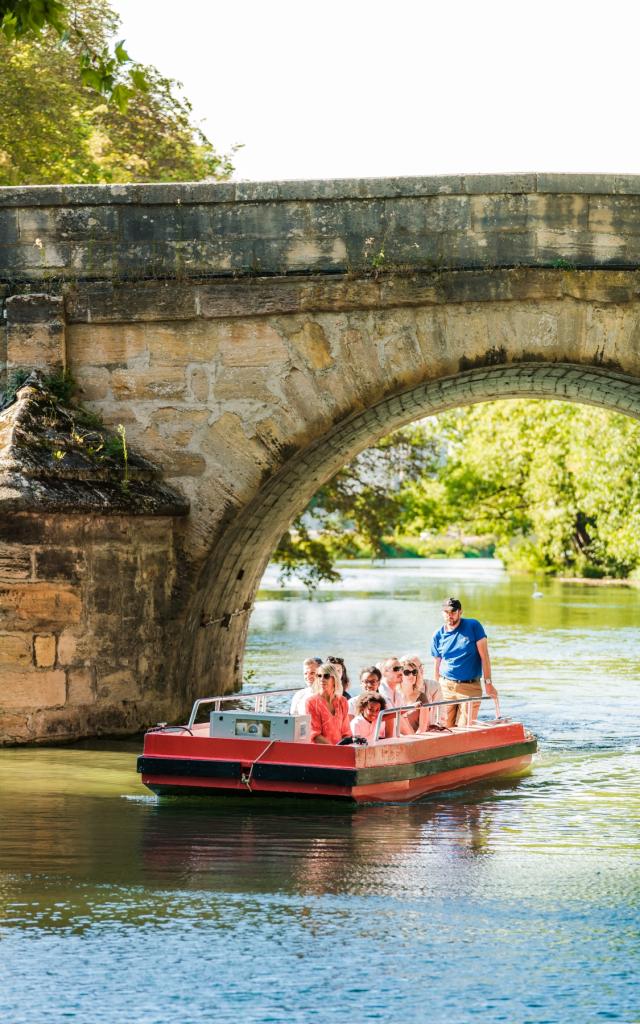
(32, 689)
(15, 562)
(422, 215)
(223, 299)
(14, 729)
(558, 213)
(39, 604)
(149, 385)
(59, 563)
(119, 685)
(488, 184)
(493, 213)
(35, 333)
(253, 343)
(615, 215)
(106, 345)
(179, 464)
(84, 223)
(8, 227)
(44, 650)
(95, 384)
(16, 649)
(80, 686)
(198, 383)
(105, 302)
(581, 249)
(37, 347)
(313, 344)
(150, 224)
(581, 184)
(188, 342)
(67, 648)
(29, 528)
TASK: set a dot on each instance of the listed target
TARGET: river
(515, 902)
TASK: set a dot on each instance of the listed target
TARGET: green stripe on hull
(420, 769)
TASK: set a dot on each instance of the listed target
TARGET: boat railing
(397, 713)
(259, 697)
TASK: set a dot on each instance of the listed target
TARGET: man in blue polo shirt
(461, 654)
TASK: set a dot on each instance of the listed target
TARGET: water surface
(515, 902)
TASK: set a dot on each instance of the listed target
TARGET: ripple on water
(513, 902)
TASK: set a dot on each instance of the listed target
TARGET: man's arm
(436, 668)
(483, 651)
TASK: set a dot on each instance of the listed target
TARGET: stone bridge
(250, 339)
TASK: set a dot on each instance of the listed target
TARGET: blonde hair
(417, 664)
(327, 669)
(387, 663)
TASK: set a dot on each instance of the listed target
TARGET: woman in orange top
(327, 707)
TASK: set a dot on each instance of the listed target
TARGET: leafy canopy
(54, 128)
(553, 486)
(100, 67)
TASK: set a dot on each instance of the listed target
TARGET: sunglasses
(325, 675)
(409, 671)
(397, 668)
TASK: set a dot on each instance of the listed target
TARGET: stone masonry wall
(82, 644)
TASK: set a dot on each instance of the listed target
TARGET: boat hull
(398, 771)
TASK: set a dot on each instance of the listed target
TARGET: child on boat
(368, 708)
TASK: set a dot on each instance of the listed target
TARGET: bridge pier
(83, 602)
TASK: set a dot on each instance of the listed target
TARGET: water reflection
(329, 849)
(198, 909)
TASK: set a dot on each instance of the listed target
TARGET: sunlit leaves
(100, 69)
(556, 485)
(54, 128)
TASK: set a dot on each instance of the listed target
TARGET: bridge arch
(224, 606)
(251, 340)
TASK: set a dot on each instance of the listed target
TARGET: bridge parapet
(178, 231)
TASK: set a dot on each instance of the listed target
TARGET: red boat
(240, 753)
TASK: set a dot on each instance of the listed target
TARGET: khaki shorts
(460, 715)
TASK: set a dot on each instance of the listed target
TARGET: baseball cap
(451, 604)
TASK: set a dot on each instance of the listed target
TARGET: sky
(361, 88)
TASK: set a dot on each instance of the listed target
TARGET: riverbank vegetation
(548, 487)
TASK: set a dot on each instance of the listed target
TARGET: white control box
(245, 725)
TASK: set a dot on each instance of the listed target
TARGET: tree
(555, 485)
(54, 129)
(111, 73)
(356, 511)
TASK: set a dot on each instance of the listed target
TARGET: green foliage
(61, 385)
(552, 487)
(355, 512)
(22, 17)
(54, 128)
(100, 68)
